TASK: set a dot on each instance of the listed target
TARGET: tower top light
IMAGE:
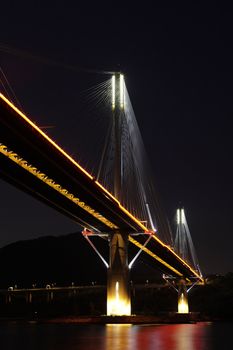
(118, 91)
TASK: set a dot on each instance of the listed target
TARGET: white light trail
(178, 216)
(122, 91)
(113, 91)
(182, 216)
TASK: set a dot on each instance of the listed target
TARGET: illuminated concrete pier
(118, 291)
(28, 297)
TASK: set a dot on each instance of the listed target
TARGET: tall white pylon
(118, 291)
(183, 241)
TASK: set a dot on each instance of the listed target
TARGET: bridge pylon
(185, 248)
(118, 291)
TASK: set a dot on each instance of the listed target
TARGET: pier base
(118, 291)
(183, 306)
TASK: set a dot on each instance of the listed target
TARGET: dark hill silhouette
(61, 260)
(69, 258)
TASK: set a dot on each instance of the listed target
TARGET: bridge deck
(34, 163)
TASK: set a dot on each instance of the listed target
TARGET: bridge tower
(118, 291)
(185, 248)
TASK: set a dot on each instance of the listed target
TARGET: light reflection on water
(177, 337)
(199, 336)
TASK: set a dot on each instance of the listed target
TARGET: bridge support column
(8, 298)
(49, 296)
(118, 289)
(183, 306)
(29, 298)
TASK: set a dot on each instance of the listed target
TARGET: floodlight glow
(178, 216)
(118, 304)
(122, 90)
(113, 91)
(183, 307)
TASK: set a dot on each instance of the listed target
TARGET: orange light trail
(10, 104)
(50, 182)
(149, 252)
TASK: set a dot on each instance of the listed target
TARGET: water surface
(199, 336)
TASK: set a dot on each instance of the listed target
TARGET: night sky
(178, 69)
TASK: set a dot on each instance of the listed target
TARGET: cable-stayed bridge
(118, 203)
